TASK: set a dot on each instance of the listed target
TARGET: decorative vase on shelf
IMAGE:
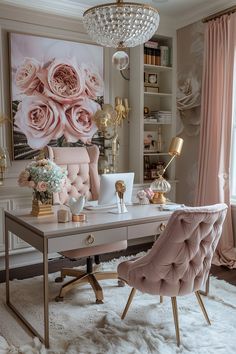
(41, 203)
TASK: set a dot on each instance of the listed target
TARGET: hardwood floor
(224, 273)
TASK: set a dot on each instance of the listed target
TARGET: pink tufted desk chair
(180, 260)
(81, 164)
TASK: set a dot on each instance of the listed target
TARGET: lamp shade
(176, 146)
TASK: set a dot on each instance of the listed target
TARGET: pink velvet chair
(82, 179)
(180, 260)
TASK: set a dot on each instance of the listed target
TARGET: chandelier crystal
(121, 24)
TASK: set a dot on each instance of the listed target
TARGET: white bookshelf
(163, 100)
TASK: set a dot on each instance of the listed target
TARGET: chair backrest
(81, 164)
(180, 260)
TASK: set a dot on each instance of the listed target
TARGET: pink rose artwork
(63, 81)
(79, 122)
(93, 82)
(57, 87)
(40, 119)
(26, 76)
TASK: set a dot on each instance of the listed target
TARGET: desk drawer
(87, 239)
(148, 229)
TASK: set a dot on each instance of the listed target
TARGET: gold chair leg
(70, 285)
(197, 293)
(207, 287)
(96, 288)
(131, 295)
(176, 319)
(161, 299)
(71, 272)
(105, 275)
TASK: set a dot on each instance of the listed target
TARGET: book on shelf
(150, 120)
(152, 56)
(151, 89)
(151, 44)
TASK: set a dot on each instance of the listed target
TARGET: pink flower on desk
(63, 81)
(79, 123)
(93, 82)
(23, 179)
(40, 119)
(26, 76)
(41, 186)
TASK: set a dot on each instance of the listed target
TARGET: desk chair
(180, 260)
(81, 164)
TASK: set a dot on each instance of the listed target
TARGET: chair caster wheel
(121, 283)
(59, 299)
(59, 279)
(99, 301)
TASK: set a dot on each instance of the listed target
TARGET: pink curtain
(216, 123)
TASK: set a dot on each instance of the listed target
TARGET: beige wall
(189, 71)
(13, 19)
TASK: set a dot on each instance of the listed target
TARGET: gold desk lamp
(161, 186)
(108, 120)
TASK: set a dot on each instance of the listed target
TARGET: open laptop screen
(107, 194)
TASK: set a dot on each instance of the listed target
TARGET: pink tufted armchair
(82, 179)
(180, 260)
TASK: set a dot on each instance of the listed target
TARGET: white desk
(47, 236)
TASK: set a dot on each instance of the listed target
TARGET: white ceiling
(180, 11)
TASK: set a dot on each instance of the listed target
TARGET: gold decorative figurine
(120, 191)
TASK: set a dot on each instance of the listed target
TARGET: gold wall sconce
(108, 119)
(4, 163)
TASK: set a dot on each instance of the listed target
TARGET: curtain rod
(219, 14)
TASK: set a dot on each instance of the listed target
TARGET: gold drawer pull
(162, 227)
(90, 239)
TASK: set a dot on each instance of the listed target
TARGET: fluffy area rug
(78, 325)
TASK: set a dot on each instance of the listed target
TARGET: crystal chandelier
(121, 24)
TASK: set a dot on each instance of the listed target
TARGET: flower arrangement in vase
(45, 177)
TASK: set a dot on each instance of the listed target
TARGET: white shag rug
(78, 325)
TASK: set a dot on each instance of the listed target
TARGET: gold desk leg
(176, 319)
(202, 307)
(28, 326)
(45, 292)
(131, 295)
(7, 263)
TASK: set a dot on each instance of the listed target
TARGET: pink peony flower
(26, 76)
(31, 184)
(23, 179)
(40, 119)
(93, 82)
(41, 186)
(79, 123)
(63, 81)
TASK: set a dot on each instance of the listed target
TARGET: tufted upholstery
(81, 164)
(82, 178)
(179, 261)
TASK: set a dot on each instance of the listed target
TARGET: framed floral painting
(56, 87)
